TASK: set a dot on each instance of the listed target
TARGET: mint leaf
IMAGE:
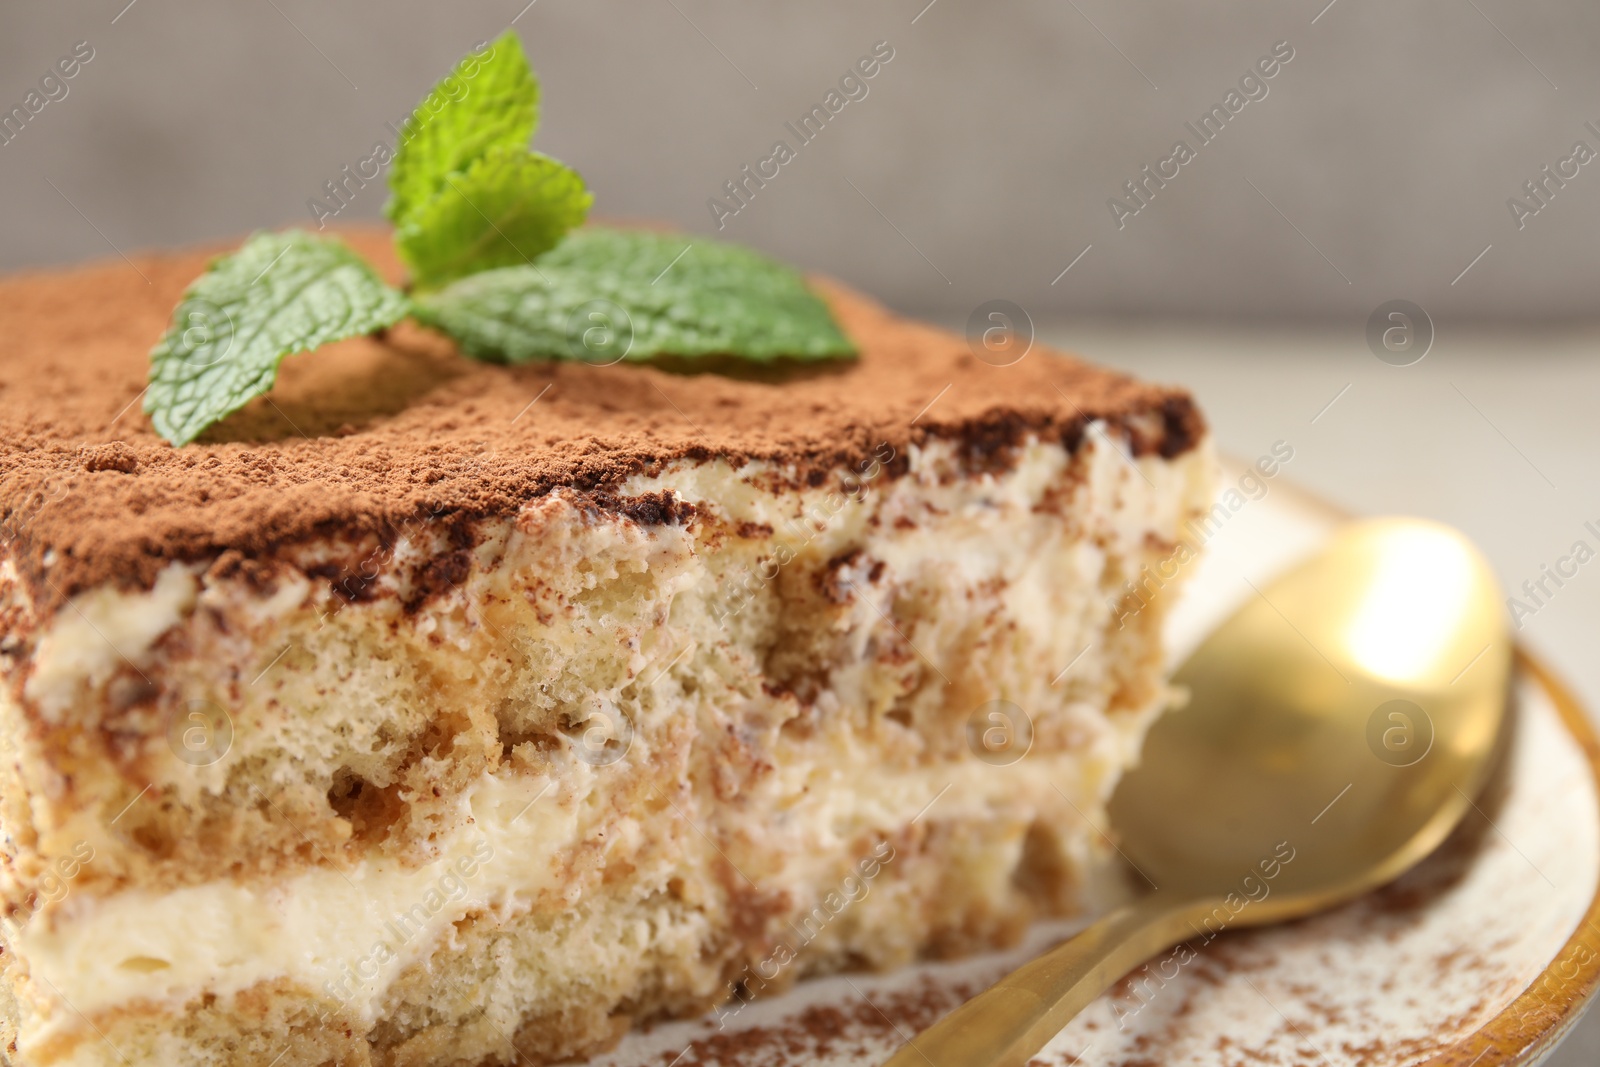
(486, 101)
(604, 295)
(468, 194)
(507, 207)
(279, 294)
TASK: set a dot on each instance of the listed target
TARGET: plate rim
(1552, 1003)
(1539, 1017)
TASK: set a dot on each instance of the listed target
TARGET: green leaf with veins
(485, 102)
(281, 293)
(603, 295)
(506, 208)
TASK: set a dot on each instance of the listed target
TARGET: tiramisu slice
(433, 712)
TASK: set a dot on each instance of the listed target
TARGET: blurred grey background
(1377, 166)
(979, 164)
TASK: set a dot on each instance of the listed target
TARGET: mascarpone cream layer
(347, 935)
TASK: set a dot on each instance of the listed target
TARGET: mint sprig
(486, 227)
(490, 99)
(468, 193)
(281, 293)
(606, 295)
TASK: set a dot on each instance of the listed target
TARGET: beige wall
(1381, 156)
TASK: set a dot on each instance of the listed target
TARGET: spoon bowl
(1333, 732)
(1345, 714)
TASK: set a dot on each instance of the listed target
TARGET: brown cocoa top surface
(368, 433)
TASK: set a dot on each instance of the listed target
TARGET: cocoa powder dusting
(858, 1026)
(371, 433)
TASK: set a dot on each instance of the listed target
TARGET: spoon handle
(1011, 1020)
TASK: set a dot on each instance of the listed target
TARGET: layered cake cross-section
(429, 712)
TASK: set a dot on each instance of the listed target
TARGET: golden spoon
(1338, 726)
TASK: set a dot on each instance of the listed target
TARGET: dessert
(436, 712)
(431, 712)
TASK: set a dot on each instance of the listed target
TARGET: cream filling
(343, 934)
(103, 629)
(348, 935)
